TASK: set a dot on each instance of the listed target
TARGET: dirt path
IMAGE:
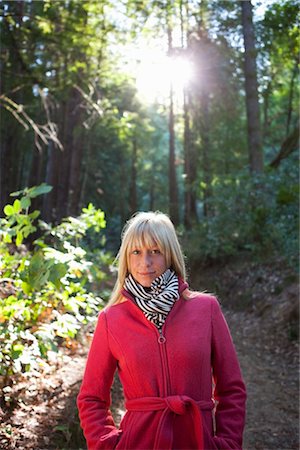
(271, 375)
(45, 416)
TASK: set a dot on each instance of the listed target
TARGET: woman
(173, 351)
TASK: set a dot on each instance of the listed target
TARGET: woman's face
(146, 263)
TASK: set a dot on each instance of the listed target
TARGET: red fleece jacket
(176, 385)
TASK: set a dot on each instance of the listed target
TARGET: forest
(109, 107)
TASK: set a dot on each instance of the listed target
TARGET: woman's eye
(135, 252)
(156, 251)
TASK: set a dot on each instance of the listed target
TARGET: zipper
(163, 355)
(162, 349)
(164, 360)
(161, 339)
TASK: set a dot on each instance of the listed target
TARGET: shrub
(45, 292)
(256, 214)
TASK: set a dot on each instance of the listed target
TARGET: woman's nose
(147, 260)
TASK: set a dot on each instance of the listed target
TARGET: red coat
(167, 380)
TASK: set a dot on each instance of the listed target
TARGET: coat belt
(178, 404)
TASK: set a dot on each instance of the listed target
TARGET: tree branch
(289, 145)
(44, 133)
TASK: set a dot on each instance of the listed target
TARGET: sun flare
(157, 74)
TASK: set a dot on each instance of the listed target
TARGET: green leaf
(17, 206)
(9, 210)
(34, 214)
(19, 238)
(57, 272)
(7, 238)
(26, 288)
(18, 193)
(39, 190)
(25, 202)
(27, 230)
(17, 350)
(37, 261)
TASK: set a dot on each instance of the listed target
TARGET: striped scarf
(156, 301)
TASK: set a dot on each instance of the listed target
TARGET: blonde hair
(146, 229)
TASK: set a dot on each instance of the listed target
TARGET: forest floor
(260, 303)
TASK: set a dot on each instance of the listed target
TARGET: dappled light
(113, 107)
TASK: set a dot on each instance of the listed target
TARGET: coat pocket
(126, 427)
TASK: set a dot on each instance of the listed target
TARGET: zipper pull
(161, 339)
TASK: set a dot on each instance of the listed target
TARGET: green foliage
(278, 64)
(258, 215)
(45, 291)
(19, 224)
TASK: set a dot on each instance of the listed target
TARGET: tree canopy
(75, 75)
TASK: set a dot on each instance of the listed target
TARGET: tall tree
(205, 56)
(173, 187)
(251, 87)
(189, 148)
(133, 205)
(278, 34)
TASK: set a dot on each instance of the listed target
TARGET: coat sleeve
(229, 388)
(94, 399)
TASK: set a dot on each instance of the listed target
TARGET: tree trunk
(205, 135)
(122, 200)
(190, 162)
(63, 167)
(75, 175)
(51, 178)
(7, 154)
(71, 157)
(132, 185)
(173, 188)
(266, 98)
(190, 169)
(251, 87)
(86, 163)
(151, 195)
(291, 96)
(11, 133)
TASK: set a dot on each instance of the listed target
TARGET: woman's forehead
(143, 241)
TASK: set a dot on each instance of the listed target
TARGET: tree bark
(291, 95)
(63, 166)
(173, 187)
(122, 200)
(266, 98)
(71, 158)
(190, 162)
(51, 178)
(151, 195)
(11, 140)
(75, 175)
(132, 186)
(190, 169)
(205, 135)
(9, 144)
(251, 87)
(204, 54)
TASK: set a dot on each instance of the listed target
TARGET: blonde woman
(173, 351)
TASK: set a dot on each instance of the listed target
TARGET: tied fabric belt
(178, 404)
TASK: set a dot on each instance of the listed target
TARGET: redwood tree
(251, 87)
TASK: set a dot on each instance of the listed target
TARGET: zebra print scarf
(156, 301)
